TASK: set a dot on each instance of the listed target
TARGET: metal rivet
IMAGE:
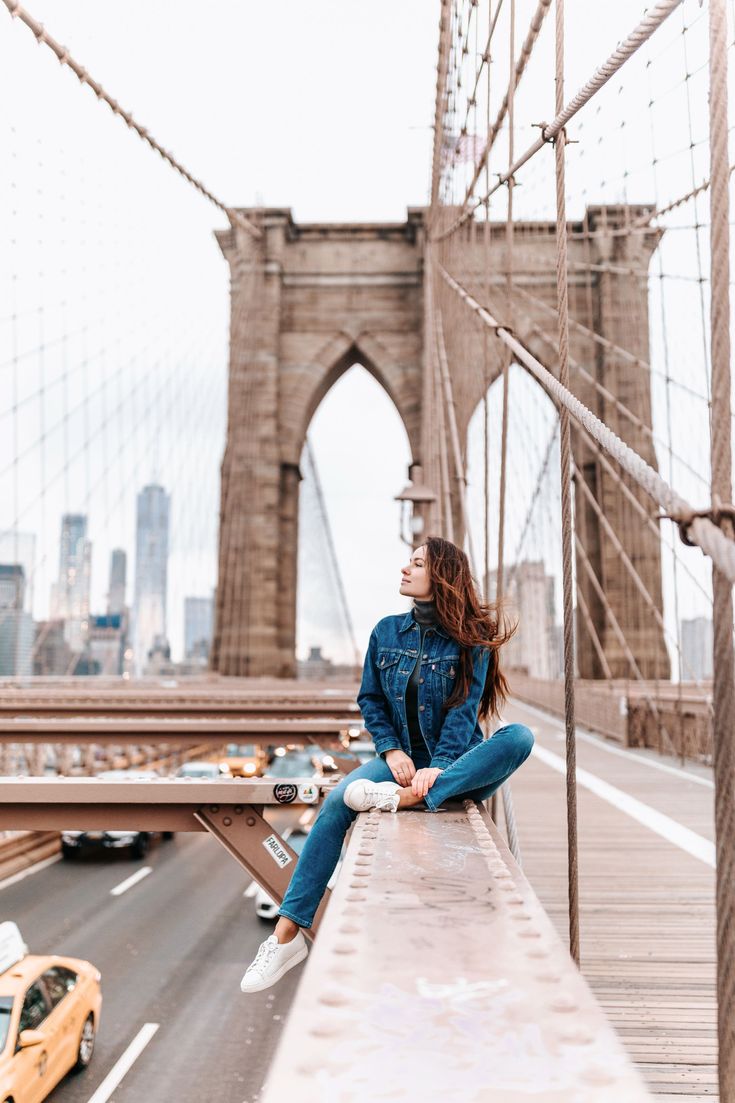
(214, 808)
(250, 821)
(227, 820)
(238, 809)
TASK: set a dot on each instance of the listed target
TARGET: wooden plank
(646, 907)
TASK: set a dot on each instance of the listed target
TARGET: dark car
(137, 842)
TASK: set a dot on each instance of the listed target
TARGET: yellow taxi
(242, 760)
(49, 1014)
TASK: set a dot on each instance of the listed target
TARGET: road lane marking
(124, 1063)
(130, 881)
(35, 868)
(662, 825)
(629, 753)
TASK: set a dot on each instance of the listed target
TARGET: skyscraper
(16, 625)
(197, 627)
(70, 595)
(118, 573)
(696, 649)
(151, 562)
(529, 598)
(20, 547)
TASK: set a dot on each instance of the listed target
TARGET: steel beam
(232, 811)
(183, 731)
(439, 976)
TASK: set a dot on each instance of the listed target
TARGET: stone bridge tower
(310, 300)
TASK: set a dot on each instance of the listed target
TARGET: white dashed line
(662, 825)
(124, 1063)
(130, 881)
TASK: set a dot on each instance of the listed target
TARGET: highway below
(171, 948)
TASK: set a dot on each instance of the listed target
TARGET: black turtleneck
(424, 613)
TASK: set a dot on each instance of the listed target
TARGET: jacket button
(421, 708)
(421, 681)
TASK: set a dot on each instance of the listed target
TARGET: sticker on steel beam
(309, 793)
(284, 794)
(280, 856)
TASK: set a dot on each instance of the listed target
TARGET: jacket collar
(408, 621)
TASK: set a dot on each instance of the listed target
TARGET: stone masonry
(310, 300)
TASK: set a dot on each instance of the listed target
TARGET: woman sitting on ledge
(430, 676)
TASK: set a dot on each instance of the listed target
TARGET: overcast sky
(113, 331)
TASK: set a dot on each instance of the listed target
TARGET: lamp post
(421, 498)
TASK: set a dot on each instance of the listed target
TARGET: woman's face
(414, 577)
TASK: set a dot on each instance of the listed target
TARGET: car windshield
(290, 766)
(241, 749)
(6, 1009)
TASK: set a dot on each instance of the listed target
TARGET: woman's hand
(400, 765)
(423, 780)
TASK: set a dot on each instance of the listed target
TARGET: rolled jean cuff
(429, 804)
(306, 924)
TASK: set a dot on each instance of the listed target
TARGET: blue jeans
(475, 776)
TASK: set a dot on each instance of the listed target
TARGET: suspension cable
(65, 58)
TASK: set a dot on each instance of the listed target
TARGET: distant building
(696, 649)
(20, 547)
(151, 566)
(52, 656)
(70, 594)
(16, 625)
(318, 667)
(116, 590)
(529, 599)
(106, 645)
(197, 627)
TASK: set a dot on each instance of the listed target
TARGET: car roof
(17, 978)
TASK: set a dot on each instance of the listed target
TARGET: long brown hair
(469, 621)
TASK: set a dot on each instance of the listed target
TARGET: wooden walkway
(647, 904)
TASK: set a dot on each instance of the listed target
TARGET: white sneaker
(363, 795)
(272, 960)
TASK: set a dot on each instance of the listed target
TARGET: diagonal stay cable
(640, 34)
(64, 57)
(700, 530)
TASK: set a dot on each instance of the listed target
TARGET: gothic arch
(336, 357)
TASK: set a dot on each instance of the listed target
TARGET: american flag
(462, 148)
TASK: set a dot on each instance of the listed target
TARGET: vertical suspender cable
(566, 495)
(724, 667)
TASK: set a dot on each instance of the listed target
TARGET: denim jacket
(390, 658)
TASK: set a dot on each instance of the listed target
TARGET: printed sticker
(284, 793)
(308, 794)
(280, 856)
